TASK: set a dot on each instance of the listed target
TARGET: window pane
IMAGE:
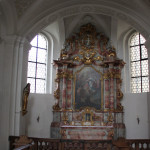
(136, 85)
(135, 40)
(31, 69)
(32, 54)
(144, 65)
(37, 64)
(41, 71)
(32, 86)
(135, 69)
(145, 84)
(135, 53)
(142, 39)
(41, 56)
(34, 41)
(40, 86)
(139, 64)
(144, 52)
(42, 43)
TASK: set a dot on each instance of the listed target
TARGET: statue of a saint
(26, 92)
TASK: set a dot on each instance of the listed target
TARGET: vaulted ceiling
(26, 17)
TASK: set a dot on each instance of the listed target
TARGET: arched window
(139, 64)
(37, 61)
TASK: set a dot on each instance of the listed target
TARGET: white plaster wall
(4, 110)
(135, 105)
(148, 107)
(39, 105)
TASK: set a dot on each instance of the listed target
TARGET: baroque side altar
(88, 94)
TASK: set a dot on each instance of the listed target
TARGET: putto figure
(26, 92)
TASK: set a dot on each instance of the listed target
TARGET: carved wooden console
(88, 94)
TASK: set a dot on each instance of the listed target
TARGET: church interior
(75, 74)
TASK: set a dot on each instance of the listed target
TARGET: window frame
(36, 62)
(141, 76)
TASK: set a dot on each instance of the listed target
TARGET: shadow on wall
(39, 116)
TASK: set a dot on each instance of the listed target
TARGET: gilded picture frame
(88, 88)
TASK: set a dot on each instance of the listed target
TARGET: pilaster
(16, 47)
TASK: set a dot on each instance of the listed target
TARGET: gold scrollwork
(64, 75)
(87, 57)
(106, 75)
(59, 75)
(109, 75)
(65, 118)
(87, 37)
(119, 94)
(77, 58)
(67, 110)
(98, 58)
(111, 133)
(57, 94)
(112, 53)
(110, 118)
(112, 74)
(63, 133)
(56, 107)
(119, 107)
(87, 116)
(117, 75)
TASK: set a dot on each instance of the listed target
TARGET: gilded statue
(26, 92)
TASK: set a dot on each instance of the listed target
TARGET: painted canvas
(88, 88)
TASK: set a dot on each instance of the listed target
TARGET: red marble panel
(86, 134)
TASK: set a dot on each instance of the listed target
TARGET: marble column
(64, 87)
(111, 87)
(69, 90)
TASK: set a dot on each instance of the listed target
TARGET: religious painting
(88, 88)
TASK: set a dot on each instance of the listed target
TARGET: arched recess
(135, 104)
(100, 21)
(49, 61)
(124, 48)
(50, 16)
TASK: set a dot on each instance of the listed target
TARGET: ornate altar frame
(101, 85)
(99, 113)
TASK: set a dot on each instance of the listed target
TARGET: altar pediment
(88, 94)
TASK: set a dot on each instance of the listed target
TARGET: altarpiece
(88, 94)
